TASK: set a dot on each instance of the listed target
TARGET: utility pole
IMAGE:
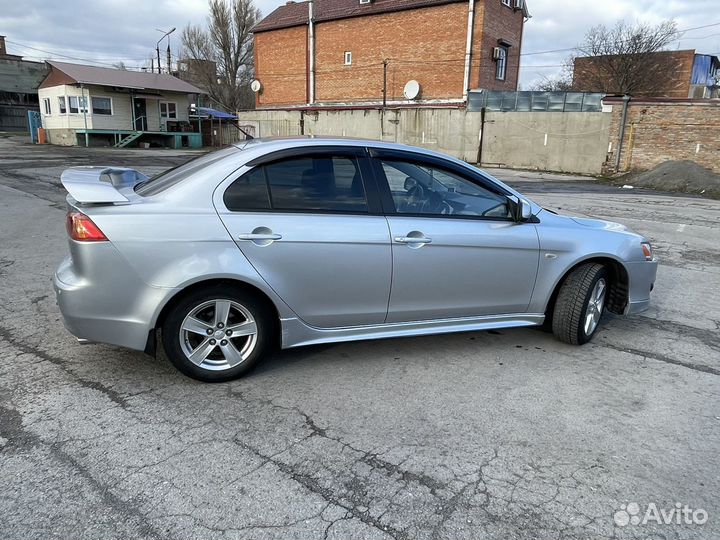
(168, 58)
(157, 47)
(385, 65)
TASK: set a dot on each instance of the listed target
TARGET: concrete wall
(576, 142)
(573, 142)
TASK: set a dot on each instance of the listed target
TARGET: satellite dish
(256, 86)
(412, 89)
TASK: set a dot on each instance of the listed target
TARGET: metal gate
(34, 122)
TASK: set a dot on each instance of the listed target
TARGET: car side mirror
(520, 209)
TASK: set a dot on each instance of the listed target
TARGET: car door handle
(259, 236)
(413, 240)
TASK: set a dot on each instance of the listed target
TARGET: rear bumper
(641, 276)
(121, 314)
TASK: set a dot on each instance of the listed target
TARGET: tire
(218, 356)
(580, 304)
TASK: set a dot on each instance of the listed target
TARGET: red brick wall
(426, 44)
(660, 131)
(281, 66)
(669, 76)
(496, 22)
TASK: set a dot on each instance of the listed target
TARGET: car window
(171, 177)
(249, 192)
(422, 189)
(325, 183)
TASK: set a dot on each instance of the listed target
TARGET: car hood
(600, 224)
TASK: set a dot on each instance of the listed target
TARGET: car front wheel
(580, 304)
(217, 334)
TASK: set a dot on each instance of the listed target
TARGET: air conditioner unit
(498, 53)
(519, 4)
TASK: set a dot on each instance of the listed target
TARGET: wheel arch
(618, 293)
(181, 293)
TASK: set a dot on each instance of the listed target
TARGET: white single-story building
(88, 105)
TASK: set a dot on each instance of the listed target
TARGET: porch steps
(122, 143)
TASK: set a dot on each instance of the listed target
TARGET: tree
(625, 58)
(220, 57)
(562, 82)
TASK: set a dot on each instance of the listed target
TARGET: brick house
(366, 51)
(669, 74)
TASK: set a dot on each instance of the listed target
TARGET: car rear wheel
(580, 304)
(217, 334)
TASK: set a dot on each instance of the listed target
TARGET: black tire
(173, 336)
(571, 305)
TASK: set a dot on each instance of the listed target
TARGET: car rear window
(171, 177)
(330, 183)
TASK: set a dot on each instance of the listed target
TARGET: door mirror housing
(520, 209)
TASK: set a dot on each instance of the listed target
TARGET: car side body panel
(113, 292)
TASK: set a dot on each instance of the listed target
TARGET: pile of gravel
(682, 176)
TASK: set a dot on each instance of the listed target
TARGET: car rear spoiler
(100, 184)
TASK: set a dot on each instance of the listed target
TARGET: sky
(104, 32)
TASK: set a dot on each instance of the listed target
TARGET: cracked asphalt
(503, 434)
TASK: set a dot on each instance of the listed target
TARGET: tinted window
(420, 189)
(249, 192)
(327, 183)
(173, 176)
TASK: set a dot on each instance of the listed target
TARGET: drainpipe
(82, 94)
(468, 48)
(626, 100)
(311, 51)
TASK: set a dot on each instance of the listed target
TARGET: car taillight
(81, 228)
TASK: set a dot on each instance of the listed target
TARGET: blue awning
(207, 111)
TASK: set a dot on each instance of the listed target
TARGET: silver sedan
(290, 242)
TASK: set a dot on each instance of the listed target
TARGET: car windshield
(171, 177)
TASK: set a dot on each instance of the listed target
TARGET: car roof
(269, 144)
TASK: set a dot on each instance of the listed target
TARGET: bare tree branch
(624, 59)
(223, 52)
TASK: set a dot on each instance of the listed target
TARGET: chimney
(3, 50)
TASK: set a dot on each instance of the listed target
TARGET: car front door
(315, 234)
(456, 251)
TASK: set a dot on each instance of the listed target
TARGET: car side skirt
(296, 333)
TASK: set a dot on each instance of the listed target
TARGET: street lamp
(157, 47)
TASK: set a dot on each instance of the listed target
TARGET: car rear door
(307, 222)
(456, 252)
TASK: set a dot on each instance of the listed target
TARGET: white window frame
(507, 3)
(92, 107)
(46, 106)
(82, 105)
(348, 58)
(62, 105)
(167, 116)
(501, 63)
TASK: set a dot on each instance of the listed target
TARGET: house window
(46, 105)
(61, 102)
(78, 104)
(501, 62)
(101, 105)
(348, 58)
(506, 3)
(168, 110)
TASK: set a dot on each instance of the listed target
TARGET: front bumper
(641, 281)
(120, 311)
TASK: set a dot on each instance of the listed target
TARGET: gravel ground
(503, 434)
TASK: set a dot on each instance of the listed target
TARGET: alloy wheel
(218, 334)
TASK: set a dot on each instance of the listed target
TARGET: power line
(78, 58)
